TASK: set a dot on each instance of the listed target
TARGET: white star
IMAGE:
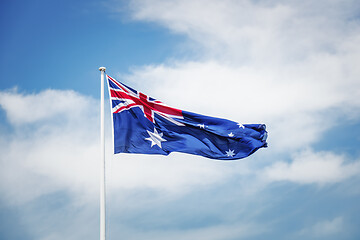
(201, 126)
(231, 134)
(241, 126)
(230, 153)
(155, 138)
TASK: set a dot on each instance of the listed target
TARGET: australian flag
(142, 124)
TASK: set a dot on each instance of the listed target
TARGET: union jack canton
(142, 124)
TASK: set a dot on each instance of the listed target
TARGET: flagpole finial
(102, 69)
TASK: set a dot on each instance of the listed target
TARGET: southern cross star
(241, 126)
(230, 153)
(155, 138)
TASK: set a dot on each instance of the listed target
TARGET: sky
(292, 65)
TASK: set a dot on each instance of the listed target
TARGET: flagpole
(102, 168)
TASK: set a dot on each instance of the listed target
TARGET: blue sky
(290, 65)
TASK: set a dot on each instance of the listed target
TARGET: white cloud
(254, 30)
(44, 154)
(325, 228)
(328, 227)
(219, 232)
(296, 111)
(43, 158)
(261, 62)
(176, 174)
(55, 136)
(312, 167)
(49, 104)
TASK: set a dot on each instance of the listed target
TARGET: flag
(142, 124)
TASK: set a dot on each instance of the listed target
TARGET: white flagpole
(102, 168)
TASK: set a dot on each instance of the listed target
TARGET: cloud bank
(313, 167)
(56, 150)
(261, 62)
